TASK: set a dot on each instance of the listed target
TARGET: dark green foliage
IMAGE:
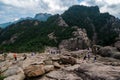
(32, 37)
(93, 21)
(2, 77)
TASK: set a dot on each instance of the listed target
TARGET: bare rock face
(12, 39)
(51, 36)
(80, 41)
(61, 22)
(117, 45)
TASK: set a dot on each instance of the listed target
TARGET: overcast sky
(11, 10)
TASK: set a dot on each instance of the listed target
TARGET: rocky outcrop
(12, 39)
(80, 41)
(51, 36)
(61, 22)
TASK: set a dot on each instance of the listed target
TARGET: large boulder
(117, 45)
(34, 70)
(68, 60)
(37, 70)
(109, 51)
(106, 51)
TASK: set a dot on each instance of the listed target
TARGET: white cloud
(20, 3)
(34, 5)
(14, 9)
(59, 6)
(24, 8)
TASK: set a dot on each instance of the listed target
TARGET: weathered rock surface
(16, 77)
(68, 60)
(34, 70)
(80, 41)
(62, 75)
(98, 72)
(14, 70)
(37, 70)
(4, 66)
(48, 68)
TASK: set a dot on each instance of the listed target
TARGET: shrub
(2, 77)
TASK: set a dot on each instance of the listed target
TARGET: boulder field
(64, 66)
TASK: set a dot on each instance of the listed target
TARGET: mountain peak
(42, 16)
(85, 9)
